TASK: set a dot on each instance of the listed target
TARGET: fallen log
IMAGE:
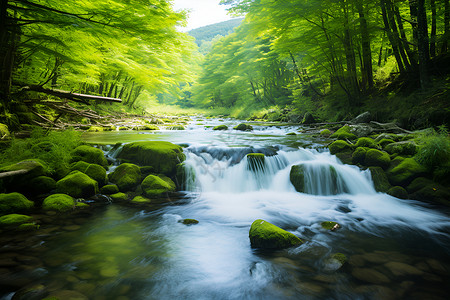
(69, 95)
(13, 173)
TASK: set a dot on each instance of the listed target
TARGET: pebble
(401, 269)
(369, 275)
(68, 295)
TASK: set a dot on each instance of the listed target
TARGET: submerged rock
(162, 156)
(255, 161)
(265, 235)
(14, 202)
(59, 202)
(335, 262)
(126, 177)
(77, 185)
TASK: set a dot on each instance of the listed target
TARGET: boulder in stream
(268, 236)
(77, 185)
(126, 177)
(14, 202)
(255, 161)
(90, 155)
(155, 186)
(59, 202)
(243, 127)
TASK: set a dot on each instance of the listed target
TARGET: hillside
(209, 32)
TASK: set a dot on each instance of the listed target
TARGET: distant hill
(209, 32)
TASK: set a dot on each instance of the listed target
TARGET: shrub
(434, 149)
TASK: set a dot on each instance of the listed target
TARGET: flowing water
(396, 249)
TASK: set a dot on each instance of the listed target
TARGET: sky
(203, 12)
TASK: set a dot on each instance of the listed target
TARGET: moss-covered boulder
(401, 148)
(189, 222)
(330, 225)
(405, 172)
(155, 186)
(96, 172)
(398, 192)
(387, 136)
(308, 118)
(14, 202)
(221, 127)
(425, 189)
(335, 262)
(126, 176)
(344, 133)
(90, 155)
(380, 180)
(141, 200)
(77, 185)
(384, 142)
(162, 156)
(79, 166)
(377, 158)
(119, 197)
(14, 220)
(95, 129)
(30, 168)
(366, 142)
(59, 202)
(185, 176)
(265, 235)
(42, 185)
(4, 132)
(255, 161)
(339, 146)
(243, 127)
(359, 155)
(325, 132)
(109, 189)
(297, 177)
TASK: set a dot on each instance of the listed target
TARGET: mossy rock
(221, 127)
(243, 127)
(126, 176)
(141, 200)
(425, 189)
(265, 235)
(308, 118)
(119, 197)
(146, 127)
(109, 189)
(335, 262)
(59, 202)
(28, 227)
(4, 132)
(96, 172)
(256, 161)
(14, 202)
(329, 225)
(154, 186)
(384, 142)
(90, 155)
(32, 167)
(42, 185)
(387, 136)
(405, 172)
(398, 192)
(77, 185)
(359, 155)
(344, 133)
(297, 177)
(366, 142)
(185, 176)
(13, 220)
(380, 180)
(79, 166)
(162, 156)
(339, 146)
(325, 132)
(95, 129)
(377, 158)
(402, 148)
(189, 222)
(176, 127)
(81, 205)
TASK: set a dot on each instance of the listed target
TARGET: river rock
(405, 171)
(265, 235)
(425, 189)
(361, 130)
(221, 127)
(344, 133)
(14, 202)
(380, 180)
(13, 220)
(162, 156)
(42, 185)
(377, 158)
(32, 168)
(402, 148)
(126, 176)
(155, 186)
(67, 295)
(255, 161)
(370, 275)
(297, 177)
(402, 269)
(90, 155)
(365, 117)
(59, 202)
(109, 189)
(335, 262)
(77, 185)
(398, 192)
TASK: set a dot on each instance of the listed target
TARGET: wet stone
(377, 292)
(68, 295)
(376, 258)
(401, 269)
(370, 276)
(437, 267)
(84, 287)
(356, 260)
(8, 262)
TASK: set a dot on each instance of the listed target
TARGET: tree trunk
(367, 72)
(423, 43)
(433, 29)
(390, 8)
(413, 13)
(391, 38)
(444, 46)
(6, 57)
(412, 57)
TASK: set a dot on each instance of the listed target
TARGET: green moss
(176, 127)
(344, 133)
(123, 128)
(185, 176)
(425, 189)
(77, 185)
(255, 161)
(380, 180)
(28, 227)
(79, 166)
(141, 200)
(339, 146)
(341, 258)
(42, 185)
(59, 202)
(329, 225)
(14, 202)
(109, 189)
(81, 205)
(126, 176)
(401, 148)
(96, 172)
(221, 127)
(119, 197)
(14, 220)
(154, 186)
(398, 192)
(325, 132)
(4, 132)
(263, 234)
(90, 155)
(359, 155)
(297, 177)
(33, 168)
(405, 172)
(384, 142)
(162, 156)
(243, 127)
(95, 129)
(377, 158)
(366, 142)
(189, 221)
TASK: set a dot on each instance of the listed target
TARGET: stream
(396, 249)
